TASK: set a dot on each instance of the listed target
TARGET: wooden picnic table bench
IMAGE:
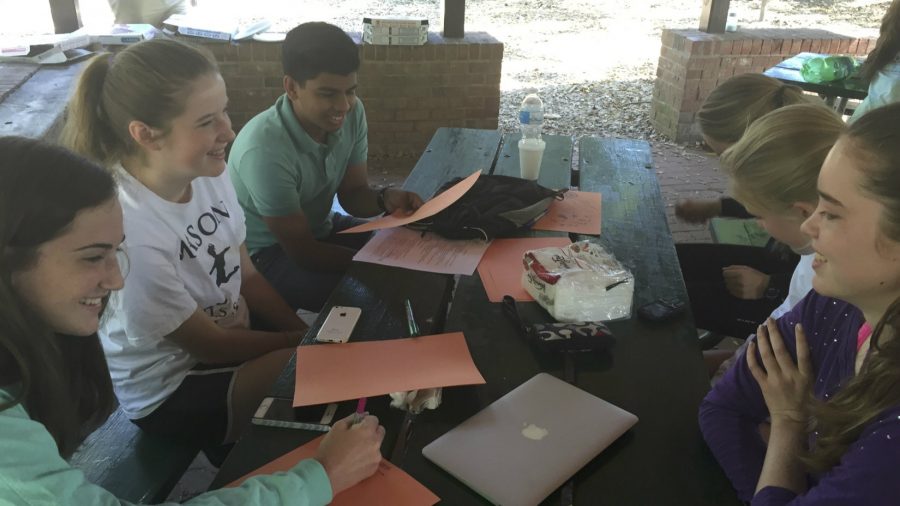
(133, 465)
(654, 370)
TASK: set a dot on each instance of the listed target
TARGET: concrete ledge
(36, 109)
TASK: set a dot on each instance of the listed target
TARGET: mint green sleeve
(360, 152)
(271, 184)
(32, 473)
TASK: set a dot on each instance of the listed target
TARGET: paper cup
(531, 151)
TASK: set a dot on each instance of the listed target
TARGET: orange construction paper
(389, 486)
(430, 208)
(501, 266)
(338, 372)
(578, 212)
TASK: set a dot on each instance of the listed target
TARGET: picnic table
(835, 93)
(654, 370)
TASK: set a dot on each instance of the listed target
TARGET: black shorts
(199, 411)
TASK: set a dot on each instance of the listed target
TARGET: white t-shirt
(181, 256)
(801, 284)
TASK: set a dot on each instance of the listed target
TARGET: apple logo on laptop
(534, 433)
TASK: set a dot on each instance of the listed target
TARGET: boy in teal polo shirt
(289, 162)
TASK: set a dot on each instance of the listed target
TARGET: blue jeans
(302, 287)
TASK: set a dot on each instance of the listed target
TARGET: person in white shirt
(184, 360)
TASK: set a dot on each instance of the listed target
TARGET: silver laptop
(522, 447)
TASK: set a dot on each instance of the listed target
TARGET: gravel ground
(593, 62)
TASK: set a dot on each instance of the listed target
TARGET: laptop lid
(530, 441)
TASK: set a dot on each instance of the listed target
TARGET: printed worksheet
(410, 249)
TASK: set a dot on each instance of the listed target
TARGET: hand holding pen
(351, 451)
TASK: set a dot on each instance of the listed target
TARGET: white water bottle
(531, 116)
(531, 146)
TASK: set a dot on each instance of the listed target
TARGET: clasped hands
(785, 385)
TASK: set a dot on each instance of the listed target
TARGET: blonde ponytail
(86, 130)
(147, 82)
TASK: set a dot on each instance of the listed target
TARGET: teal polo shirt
(277, 169)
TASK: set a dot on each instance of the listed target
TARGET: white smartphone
(339, 324)
(278, 412)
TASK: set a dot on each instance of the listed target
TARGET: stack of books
(395, 31)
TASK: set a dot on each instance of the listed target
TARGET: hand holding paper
(430, 208)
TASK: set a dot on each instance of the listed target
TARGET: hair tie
(779, 96)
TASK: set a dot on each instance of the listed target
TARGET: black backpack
(495, 206)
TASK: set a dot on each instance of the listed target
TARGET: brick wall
(408, 91)
(692, 63)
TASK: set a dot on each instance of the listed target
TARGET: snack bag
(579, 282)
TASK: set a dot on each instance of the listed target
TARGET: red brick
(756, 47)
(844, 46)
(246, 82)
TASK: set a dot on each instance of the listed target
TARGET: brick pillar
(692, 63)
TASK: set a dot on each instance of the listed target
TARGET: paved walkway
(687, 173)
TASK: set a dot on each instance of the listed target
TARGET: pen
(617, 283)
(410, 319)
(360, 411)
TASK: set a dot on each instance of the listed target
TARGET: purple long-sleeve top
(867, 474)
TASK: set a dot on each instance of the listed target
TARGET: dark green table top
(654, 371)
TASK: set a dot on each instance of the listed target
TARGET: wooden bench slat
(556, 163)
(452, 152)
(131, 464)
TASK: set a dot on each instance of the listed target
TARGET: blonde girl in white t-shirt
(184, 361)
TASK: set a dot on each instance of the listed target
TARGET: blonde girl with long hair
(184, 360)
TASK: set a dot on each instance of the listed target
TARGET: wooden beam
(454, 19)
(714, 15)
(66, 18)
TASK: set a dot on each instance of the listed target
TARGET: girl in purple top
(840, 445)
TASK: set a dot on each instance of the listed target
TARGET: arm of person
(866, 474)
(295, 237)
(32, 473)
(273, 185)
(731, 208)
(731, 414)
(358, 199)
(210, 343)
(264, 301)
